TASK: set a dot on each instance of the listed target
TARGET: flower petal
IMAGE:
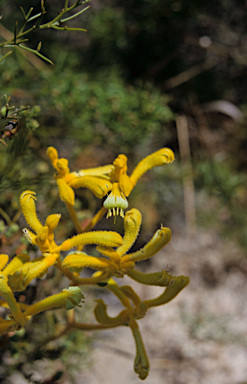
(106, 238)
(27, 201)
(158, 241)
(66, 193)
(156, 159)
(132, 223)
(82, 260)
(97, 185)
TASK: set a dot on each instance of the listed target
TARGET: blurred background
(146, 74)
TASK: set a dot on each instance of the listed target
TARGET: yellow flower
(7, 293)
(43, 236)
(110, 178)
(95, 179)
(123, 184)
(44, 239)
(117, 262)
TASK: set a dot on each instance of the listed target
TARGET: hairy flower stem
(70, 275)
(74, 218)
(92, 280)
(77, 280)
(6, 292)
(114, 288)
(95, 219)
(94, 327)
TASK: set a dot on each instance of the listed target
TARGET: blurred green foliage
(218, 179)
(40, 361)
(101, 109)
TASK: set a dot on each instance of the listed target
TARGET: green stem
(74, 218)
(75, 15)
(95, 219)
(3, 213)
(114, 288)
(92, 280)
(36, 53)
(10, 299)
(70, 275)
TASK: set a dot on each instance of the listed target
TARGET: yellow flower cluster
(112, 183)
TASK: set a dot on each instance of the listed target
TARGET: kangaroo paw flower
(27, 201)
(68, 299)
(156, 159)
(161, 279)
(116, 202)
(53, 155)
(103, 172)
(106, 238)
(102, 317)
(66, 193)
(159, 240)
(141, 364)
(140, 307)
(6, 292)
(170, 292)
(3, 260)
(17, 262)
(79, 260)
(132, 223)
(97, 185)
(20, 279)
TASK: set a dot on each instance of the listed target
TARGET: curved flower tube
(96, 179)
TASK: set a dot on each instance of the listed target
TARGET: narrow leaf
(68, 29)
(39, 46)
(29, 12)
(34, 17)
(25, 16)
(75, 15)
(36, 53)
(4, 57)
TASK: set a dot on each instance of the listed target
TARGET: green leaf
(4, 57)
(36, 53)
(34, 17)
(75, 15)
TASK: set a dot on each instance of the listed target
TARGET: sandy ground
(199, 337)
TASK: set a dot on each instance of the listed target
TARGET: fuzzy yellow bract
(95, 179)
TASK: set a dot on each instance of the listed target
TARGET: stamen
(115, 202)
(109, 214)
